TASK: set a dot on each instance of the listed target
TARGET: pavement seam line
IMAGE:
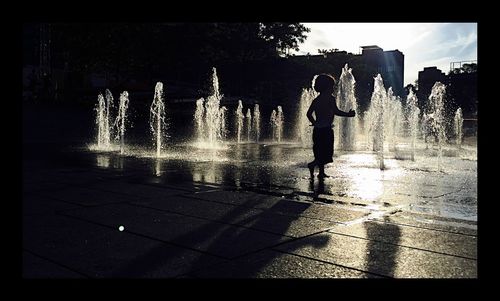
(73, 203)
(403, 246)
(273, 211)
(292, 239)
(207, 219)
(420, 227)
(117, 192)
(332, 263)
(147, 236)
(56, 263)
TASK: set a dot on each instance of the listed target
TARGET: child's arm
(339, 112)
(351, 113)
(310, 112)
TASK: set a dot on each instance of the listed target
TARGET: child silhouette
(324, 108)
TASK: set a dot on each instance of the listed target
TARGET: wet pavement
(246, 211)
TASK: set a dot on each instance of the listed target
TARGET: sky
(423, 44)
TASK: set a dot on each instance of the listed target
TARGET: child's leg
(311, 168)
(322, 172)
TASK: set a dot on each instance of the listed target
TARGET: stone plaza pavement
(174, 227)
(178, 225)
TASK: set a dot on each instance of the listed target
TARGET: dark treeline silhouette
(461, 92)
(253, 60)
(183, 52)
(157, 49)
(461, 89)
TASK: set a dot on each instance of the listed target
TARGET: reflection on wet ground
(280, 169)
(242, 210)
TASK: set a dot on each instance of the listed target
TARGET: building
(365, 66)
(461, 86)
(389, 64)
(426, 79)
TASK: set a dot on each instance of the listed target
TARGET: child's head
(324, 83)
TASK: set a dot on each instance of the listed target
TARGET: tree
(465, 68)
(326, 51)
(130, 48)
(410, 87)
(284, 36)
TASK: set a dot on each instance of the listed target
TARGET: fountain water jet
(223, 127)
(436, 117)
(272, 122)
(413, 112)
(198, 118)
(303, 129)
(393, 117)
(239, 120)
(121, 118)
(458, 123)
(214, 113)
(256, 122)
(109, 107)
(157, 122)
(249, 124)
(103, 120)
(346, 128)
(210, 117)
(280, 119)
(375, 119)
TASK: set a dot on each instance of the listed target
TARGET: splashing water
(210, 117)
(436, 117)
(383, 129)
(256, 122)
(375, 119)
(103, 121)
(458, 122)
(249, 124)
(157, 122)
(303, 129)
(198, 118)
(223, 127)
(280, 119)
(109, 107)
(213, 112)
(413, 112)
(239, 120)
(393, 117)
(346, 128)
(272, 122)
(213, 120)
(215, 85)
(121, 119)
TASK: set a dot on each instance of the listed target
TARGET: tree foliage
(124, 48)
(284, 36)
(465, 68)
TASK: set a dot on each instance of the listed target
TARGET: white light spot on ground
(121, 228)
